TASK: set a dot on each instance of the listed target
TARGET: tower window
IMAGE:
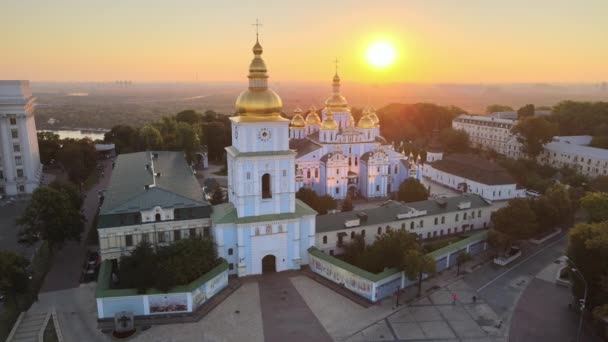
(248, 175)
(266, 191)
(157, 217)
(284, 173)
(324, 239)
(230, 251)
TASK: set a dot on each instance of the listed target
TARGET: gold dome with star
(297, 121)
(258, 101)
(313, 118)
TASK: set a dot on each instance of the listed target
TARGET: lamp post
(582, 304)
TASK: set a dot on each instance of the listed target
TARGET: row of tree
(164, 267)
(186, 131)
(76, 156)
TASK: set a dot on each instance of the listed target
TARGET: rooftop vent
(464, 205)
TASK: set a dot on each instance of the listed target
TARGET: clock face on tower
(264, 134)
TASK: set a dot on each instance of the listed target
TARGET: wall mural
(340, 276)
(177, 302)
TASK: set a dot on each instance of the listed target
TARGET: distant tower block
(20, 168)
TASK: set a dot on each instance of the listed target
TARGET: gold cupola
(336, 102)
(374, 117)
(365, 122)
(329, 122)
(258, 101)
(297, 121)
(313, 118)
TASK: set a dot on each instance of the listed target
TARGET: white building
(20, 168)
(427, 219)
(263, 227)
(487, 131)
(152, 197)
(472, 174)
(573, 152)
(336, 156)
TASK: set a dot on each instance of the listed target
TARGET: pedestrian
(454, 298)
(474, 299)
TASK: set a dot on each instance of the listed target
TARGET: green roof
(373, 277)
(105, 272)
(459, 244)
(236, 153)
(133, 187)
(226, 213)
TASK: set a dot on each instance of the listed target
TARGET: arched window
(324, 238)
(266, 191)
(436, 219)
(412, 225)
(230, 251)
(403, 226)
(421, 223)
(352, 235)
(158, 218)
(363, 233)
(442, 219)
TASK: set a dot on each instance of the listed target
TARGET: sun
(381, 54)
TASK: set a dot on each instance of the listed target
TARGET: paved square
(467, 329)
(378, 332)
(441, 297)
(402, 316)
(437, 330)
(454, 313)
(408, 331)
(425, 313)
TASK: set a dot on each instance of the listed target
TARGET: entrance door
(269, 263)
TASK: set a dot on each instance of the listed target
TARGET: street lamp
(584, 300)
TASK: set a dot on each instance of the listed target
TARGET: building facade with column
(20, 167)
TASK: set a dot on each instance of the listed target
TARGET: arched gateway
(269, 264)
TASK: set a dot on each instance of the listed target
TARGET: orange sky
(436, 41)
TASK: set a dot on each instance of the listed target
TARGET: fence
(180, 299)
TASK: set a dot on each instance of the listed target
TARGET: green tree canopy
(321, 204)
(51, 214)
(588, 248)
(517, 221)
(347, 204)
(48, 146)
(498, 108)
(150, 137)
(416, 264)
(188, 116)
(533, 132)
(454, 140)
(525, 111)
(13, 273)
(596, 204)
(217, 197)
(79, 158)
(187, 140)
(411, 190)
(599, 184)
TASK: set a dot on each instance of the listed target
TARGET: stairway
(27, 328)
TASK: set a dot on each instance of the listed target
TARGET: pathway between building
(285, 314)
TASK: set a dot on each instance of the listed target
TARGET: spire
(336, 80)
(258, 78)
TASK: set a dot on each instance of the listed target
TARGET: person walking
(454, 298)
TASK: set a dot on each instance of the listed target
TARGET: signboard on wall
(168, 303)
(357, 284)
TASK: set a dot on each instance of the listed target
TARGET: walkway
(68, 262)
(285, 315)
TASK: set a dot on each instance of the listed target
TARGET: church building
(263, 227)
(336, 156)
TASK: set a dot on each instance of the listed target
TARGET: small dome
(365, 122)
(329, 123)
(298, 121)
(313, 118)
(373, 116)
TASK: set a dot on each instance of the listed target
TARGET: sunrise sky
(435, 41)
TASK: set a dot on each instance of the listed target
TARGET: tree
(498, 108)
(48, 146)
(454, 140)
(354, 250)
(533, 132)
(462, 259)
(325, 204)
(188, 116)
(79, 158)
(411, 190)
(588, 248)
(596, 204)
(516, 221)
(347, 204)
(13, 274)
(51, 214)
(150, 137)
(137, 270)
(525, 111)
(187, 140)
(599, 184)
(218, 196)
(123, 137)
(416, 264)
(321, 204)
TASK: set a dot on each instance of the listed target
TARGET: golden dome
(365, 122)
(313, 118)
(297, 120)
(374, 117)
(329, 122)
(336, 102)
(258, 100)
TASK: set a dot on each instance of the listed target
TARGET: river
(76, 134)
